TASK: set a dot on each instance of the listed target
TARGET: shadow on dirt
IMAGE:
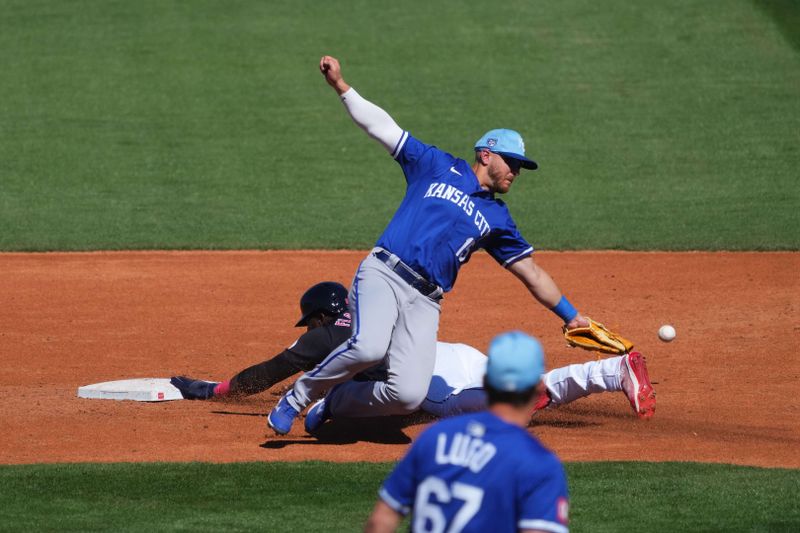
(380, 430)
(389, 430)
(563, 424)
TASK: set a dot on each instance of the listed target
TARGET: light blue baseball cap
(516, 362)
(508, 143)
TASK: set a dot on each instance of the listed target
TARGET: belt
(425, 287)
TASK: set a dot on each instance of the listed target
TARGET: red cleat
(542, 402)
(637, 386)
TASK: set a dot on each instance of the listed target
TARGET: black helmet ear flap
(328, 297)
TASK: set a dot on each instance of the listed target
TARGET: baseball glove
(597, 337)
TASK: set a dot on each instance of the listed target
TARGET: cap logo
(509, 385)
(491, 142)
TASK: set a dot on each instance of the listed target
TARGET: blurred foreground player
(482, 471)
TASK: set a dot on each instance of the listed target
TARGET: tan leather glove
(598, 338)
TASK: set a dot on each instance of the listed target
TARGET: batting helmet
(329, 297)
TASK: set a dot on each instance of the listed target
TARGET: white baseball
(666, 333)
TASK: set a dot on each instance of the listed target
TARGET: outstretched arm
(262, 376)
(545, 290)
(369, 117)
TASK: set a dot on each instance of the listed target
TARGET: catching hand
(595, 336)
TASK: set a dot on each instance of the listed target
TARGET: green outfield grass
(204, 124)
(338, 497)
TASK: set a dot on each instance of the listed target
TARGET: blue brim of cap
(530, 164)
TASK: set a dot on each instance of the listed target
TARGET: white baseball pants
(564, 385)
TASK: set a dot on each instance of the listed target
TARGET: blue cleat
(317, 415)
(281, 417)
(194, 389)
(320, 412)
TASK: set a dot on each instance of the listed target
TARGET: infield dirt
(728, 386)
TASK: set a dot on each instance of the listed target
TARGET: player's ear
(314, 321)
(482, 156)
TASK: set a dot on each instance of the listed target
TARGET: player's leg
(569, 383)
(456, 386)
(564, 385)
(627, 373)
(635, 382)
(409, 360)
(465, 401)
(374, 308)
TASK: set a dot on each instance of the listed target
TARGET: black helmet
(328, 296)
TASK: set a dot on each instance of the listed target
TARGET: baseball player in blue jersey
(449, 211)
(482, 471)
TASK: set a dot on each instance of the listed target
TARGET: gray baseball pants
(391, 320)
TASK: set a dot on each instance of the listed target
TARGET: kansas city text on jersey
(461, 199)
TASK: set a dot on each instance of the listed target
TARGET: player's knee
(407, 399)
(369, 349)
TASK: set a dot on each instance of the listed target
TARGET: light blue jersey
(445, 216)
(478, 473)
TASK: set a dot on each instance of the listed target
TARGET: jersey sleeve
(419, 160)
(399, 489)
(544, 498)
(507, 245)
(372, 119)
(313, 346)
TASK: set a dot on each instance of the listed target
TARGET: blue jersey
(445, 216)
(476, 472)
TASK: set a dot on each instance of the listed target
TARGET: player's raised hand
(330, 68)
